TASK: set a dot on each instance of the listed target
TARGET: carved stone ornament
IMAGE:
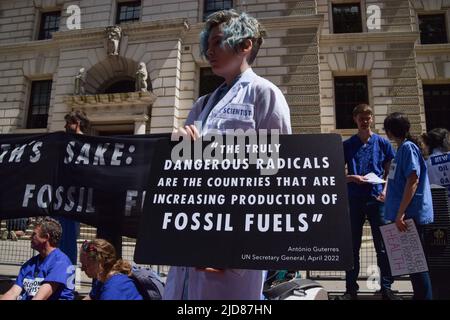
(79, 82)
(141, 77)
(113, 37)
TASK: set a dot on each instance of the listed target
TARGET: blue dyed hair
(236, 29)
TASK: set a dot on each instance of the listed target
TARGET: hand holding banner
(229, 213)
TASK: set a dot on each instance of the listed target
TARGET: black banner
(268, 205)
(95, 180)
(220, 208)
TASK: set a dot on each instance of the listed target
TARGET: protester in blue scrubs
(230, 42)
(408, 193)
(111, 275)
(48, 275)
(367, 152)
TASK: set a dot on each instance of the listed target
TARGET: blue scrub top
(117, 287)
(362, 159)
(408, 160)
(56, 267)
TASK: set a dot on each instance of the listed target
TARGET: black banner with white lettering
(248, 204)
(280, 204)
(96, 180)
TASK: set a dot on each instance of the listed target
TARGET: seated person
(111, 275)
(48, 275)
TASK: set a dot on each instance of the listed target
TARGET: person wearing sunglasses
(111, 275)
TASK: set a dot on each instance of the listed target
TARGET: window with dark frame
(348, 93)
(437, 105)
(211, 6)
(39, 104)
(347, 18)
(49, 24)
(128, 11)
(432, 29)
(208, 81)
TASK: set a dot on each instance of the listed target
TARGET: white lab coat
(252, 103)
(438, 165)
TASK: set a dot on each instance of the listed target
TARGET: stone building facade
(304, 54)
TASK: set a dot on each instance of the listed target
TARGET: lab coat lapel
(246, 78)
(205, 110)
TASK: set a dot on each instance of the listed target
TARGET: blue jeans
(374, 210)
(421, 282)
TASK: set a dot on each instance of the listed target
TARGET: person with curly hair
(111, 275)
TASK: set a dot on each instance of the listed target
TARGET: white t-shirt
(438, 165)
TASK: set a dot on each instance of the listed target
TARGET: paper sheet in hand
(373, 178)
(404, 249)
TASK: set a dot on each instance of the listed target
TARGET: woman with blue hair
(230, 42)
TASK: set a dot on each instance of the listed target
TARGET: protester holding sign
(48, 275)
(230, 42)
(76, 122)
(111, 275)
(438, 162)
(408, 192)
(365, 153)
